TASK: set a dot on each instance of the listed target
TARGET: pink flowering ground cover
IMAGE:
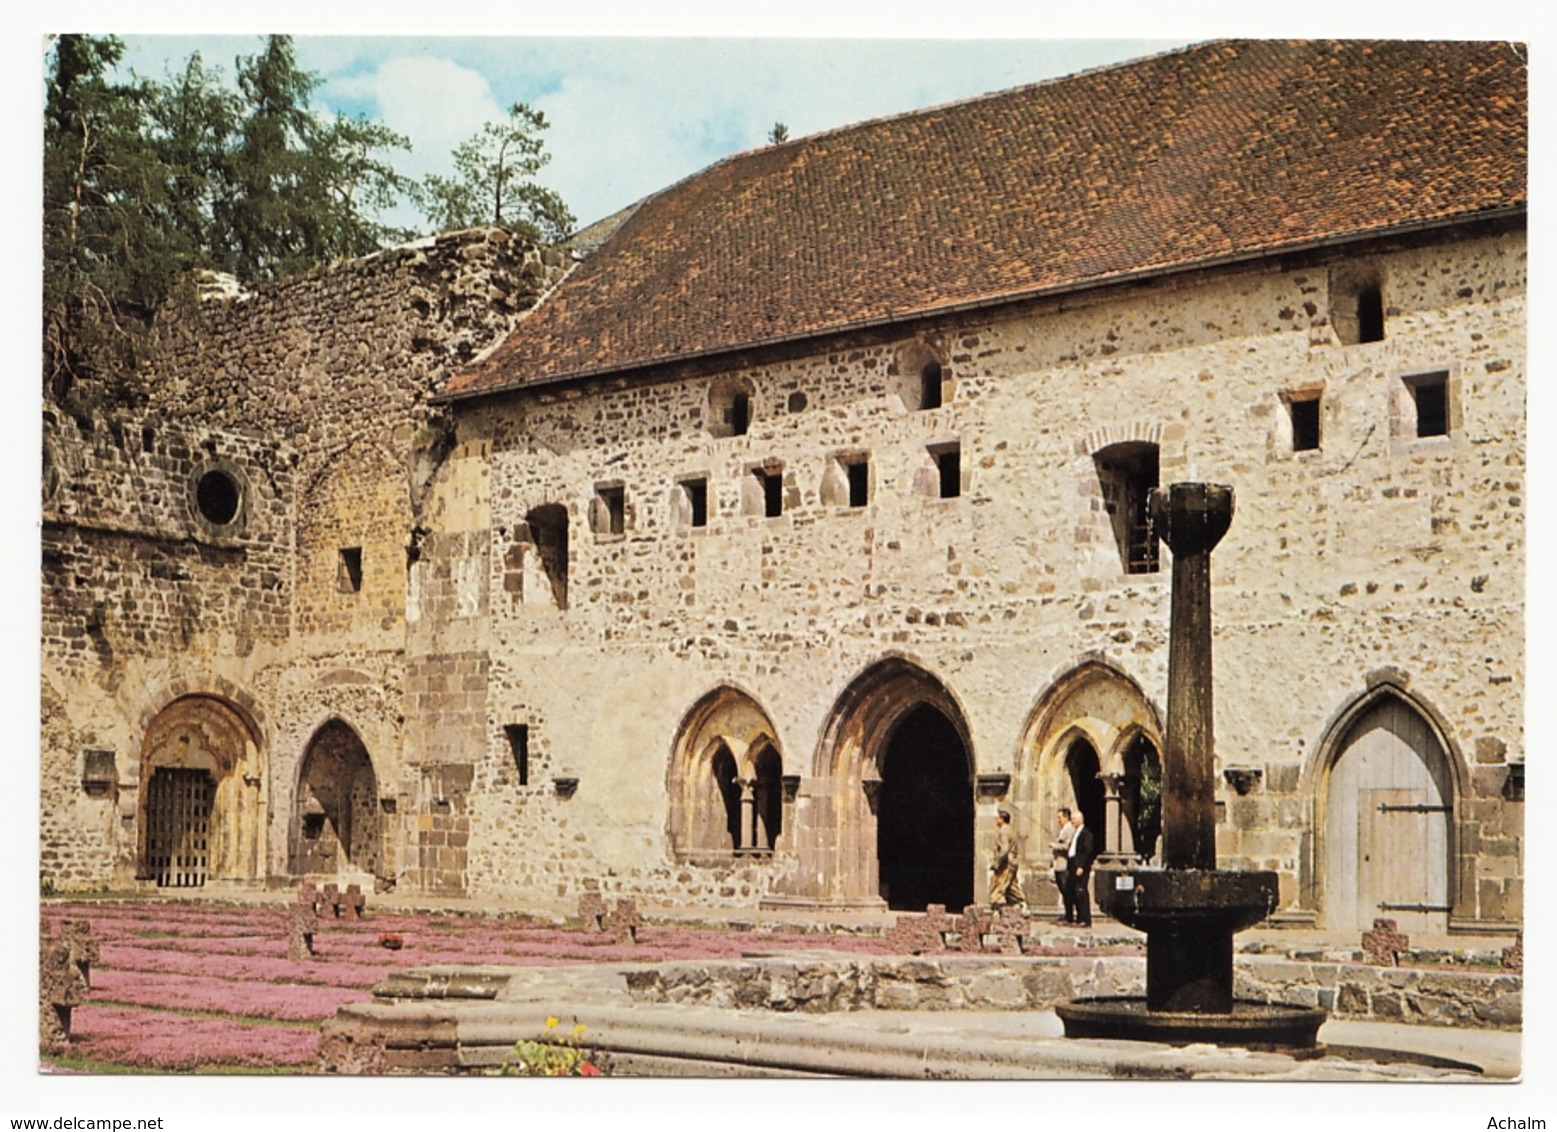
(166, 1042)
(183, 987)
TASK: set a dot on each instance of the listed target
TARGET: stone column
(1118, 841)
(748, 814)
(1191, 518)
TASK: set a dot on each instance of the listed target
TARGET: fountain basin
(1189, 917)
(1246, 1024)
(1147, 898)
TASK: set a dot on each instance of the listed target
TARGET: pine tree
(107, 259)
(494, 182)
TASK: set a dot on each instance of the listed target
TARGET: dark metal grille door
(178, 805)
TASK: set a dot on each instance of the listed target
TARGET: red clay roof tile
(1225, 149)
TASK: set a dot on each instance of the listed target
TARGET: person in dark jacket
(1083, 848)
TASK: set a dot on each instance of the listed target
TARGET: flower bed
(183, 987)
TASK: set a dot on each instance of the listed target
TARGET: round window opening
(217, 495)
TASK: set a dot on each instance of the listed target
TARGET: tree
(779, 133)
(192, 119)
(105, 256)
(144, 181)
(493, 182)
(360, 185)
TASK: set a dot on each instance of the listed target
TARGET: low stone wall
(1449, 997)
(822, 984)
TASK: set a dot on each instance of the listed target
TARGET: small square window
(1305, 424)
(519, 746)
(611, 509)
(1430, 392)
(697, 501)
(348, 573)
(948, 466)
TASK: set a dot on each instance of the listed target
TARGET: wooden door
(1400, 840)
(1386, 829)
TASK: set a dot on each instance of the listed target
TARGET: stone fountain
(1188, 908)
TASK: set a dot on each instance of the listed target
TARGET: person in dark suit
(1078, 873)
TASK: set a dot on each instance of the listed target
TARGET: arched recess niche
(724, 782)
(335, 824)
(1092, 715)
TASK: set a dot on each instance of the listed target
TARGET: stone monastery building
(751, 548)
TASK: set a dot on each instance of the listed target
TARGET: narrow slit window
(1305, 424)
(772, 484)
(519, 747)
(697, 501)
(348, 574)
(859, 482)
(930, 386)
(1370, 314)
(740, 414)
(611, 513)
(1431, 395)
(948, 467)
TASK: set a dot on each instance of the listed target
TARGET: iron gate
(178, 835)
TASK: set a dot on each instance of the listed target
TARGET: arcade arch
(724, 781)
(1093, 743)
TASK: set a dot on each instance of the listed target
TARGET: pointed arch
(335, 822)
(200, 813)
(1386, 786)
(897, 766)
(722, 780)
(1098, 703)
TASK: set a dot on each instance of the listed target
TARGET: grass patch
(120, 1069)
(218, 1015)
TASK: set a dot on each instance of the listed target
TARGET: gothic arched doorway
(335, 812)
(1388, 822)
(924, 816)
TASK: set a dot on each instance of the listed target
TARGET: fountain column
(1188, 908)
(1191, 518)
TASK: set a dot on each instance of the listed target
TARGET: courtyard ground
(199, 987)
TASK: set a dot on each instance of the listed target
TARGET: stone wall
(517, 604)
(309, 396)
(1378, 551)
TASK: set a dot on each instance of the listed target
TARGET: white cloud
(437, 103)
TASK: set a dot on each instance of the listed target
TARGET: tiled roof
(1222, 150)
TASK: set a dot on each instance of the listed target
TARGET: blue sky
(632, 115)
